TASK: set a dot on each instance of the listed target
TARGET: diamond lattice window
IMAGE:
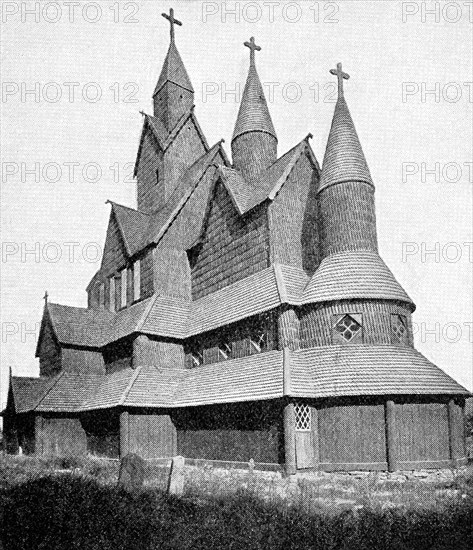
(348, 328)
(399, 329)
(303, 417)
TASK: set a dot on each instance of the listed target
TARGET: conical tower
(174, 94)
(254, 142)
(346, 191)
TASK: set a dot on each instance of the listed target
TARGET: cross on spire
(253, 47)
(172, 21)
(45, 297)
(340, 75)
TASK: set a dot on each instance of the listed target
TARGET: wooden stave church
(240, 312)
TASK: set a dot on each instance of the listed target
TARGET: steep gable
(231, 246)
(114, 252)
(293, 215)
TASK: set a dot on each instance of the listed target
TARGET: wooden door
(306, 431)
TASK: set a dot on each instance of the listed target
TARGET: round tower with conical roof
(254, 141)
(353, 295)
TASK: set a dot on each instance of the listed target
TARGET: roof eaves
(120, 227)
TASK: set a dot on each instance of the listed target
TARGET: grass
(42, 506)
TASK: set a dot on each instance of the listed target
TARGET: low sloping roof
(154, 387)
(318, 372)
(353, 274)
(344, 370)
(27, 391)
(68, 392)
(178, 318)
(245, 379)
(108, 390)
(94, 328)
(250, 296)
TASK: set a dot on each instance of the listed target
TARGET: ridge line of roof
(186, 195)
(48, 391)
(129, 386)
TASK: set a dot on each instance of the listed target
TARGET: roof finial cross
(172, 21)
(45, 297)
(253, 47)
(340, 75)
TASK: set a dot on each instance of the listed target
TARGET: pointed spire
(253, 115)
(344, 159)
(173, 68)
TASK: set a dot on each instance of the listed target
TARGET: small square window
(347, 328)
(303, 417)
(399, 332)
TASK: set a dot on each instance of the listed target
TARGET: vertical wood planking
(391, 443)
(289, 439)
(124, 433)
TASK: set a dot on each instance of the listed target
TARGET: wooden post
(38, 435)
(124, 433)
(289, 439)
(454, 433)
(315, 436)
(391, 448)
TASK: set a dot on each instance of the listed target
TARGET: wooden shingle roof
(27, 391)
(344, 159)
(318, 372)
(248, 194)
(253, 114)
(344, 370)
(353, 274)
(173, 71)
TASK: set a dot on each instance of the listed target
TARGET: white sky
(381, 51)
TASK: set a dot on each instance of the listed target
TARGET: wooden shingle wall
(150, 189)
(317, 321)
(82, 361)
(253, 152)
(347, 218)
(49, 353)
(185, 149)
(233, 246)
(171, 103)
(171, 272)
(114, 254)
(118, 356)
(149, 351)
(293, 219)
